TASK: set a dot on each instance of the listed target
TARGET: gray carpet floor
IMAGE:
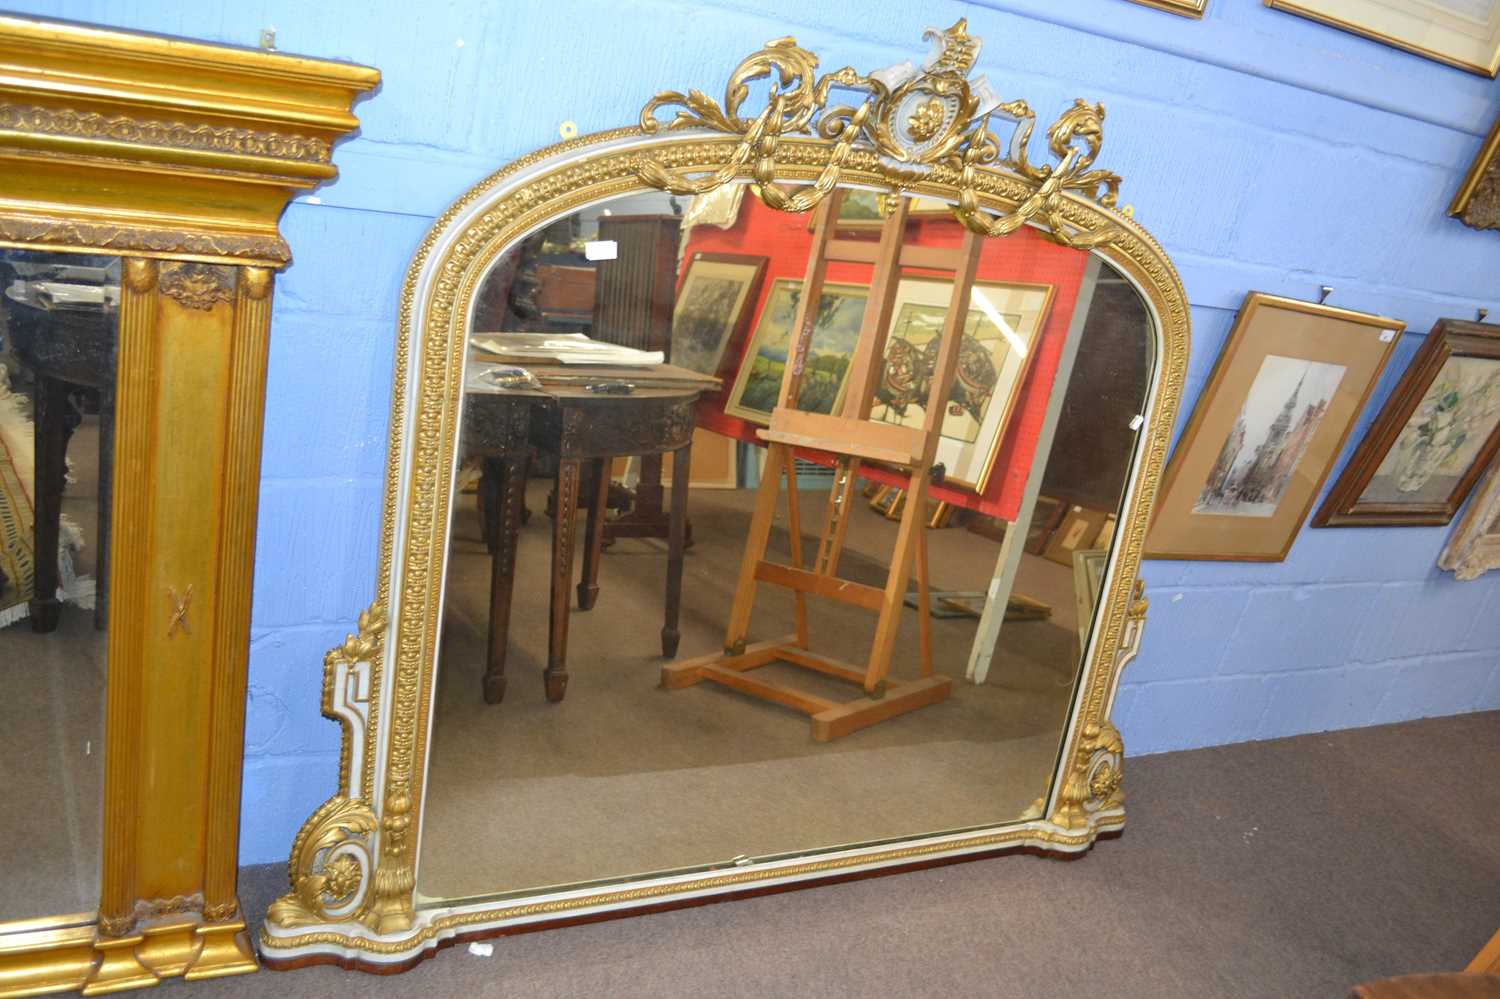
(1291, 868)
(623, 777)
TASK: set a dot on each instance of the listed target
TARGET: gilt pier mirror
(767, 487)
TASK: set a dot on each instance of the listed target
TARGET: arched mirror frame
(353, 865)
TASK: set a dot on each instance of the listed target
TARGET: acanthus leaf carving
(916, 121)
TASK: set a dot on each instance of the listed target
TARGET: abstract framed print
(1432, 440)
(1268, 428)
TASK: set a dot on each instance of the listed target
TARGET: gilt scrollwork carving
(931, 123)
(1093, 781)
(332, 857)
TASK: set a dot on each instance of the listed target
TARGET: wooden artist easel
(852, 437)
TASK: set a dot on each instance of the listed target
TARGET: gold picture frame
(1005, 319)
(1186, 8)
(1420, 28)
(1477, 202)
(1264, 435)
(352, 896)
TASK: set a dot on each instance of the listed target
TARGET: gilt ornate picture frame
(1465, 36)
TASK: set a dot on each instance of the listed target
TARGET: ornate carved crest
(197, 286)
(918, 123)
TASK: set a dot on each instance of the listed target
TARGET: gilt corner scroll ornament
(916, 123)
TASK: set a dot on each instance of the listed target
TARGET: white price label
(601, 249)
(1386, 336)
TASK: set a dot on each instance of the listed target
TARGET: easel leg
(895, 585)
(563, 528)
(676, 536)
(777, 457)
(588, 586)
(794, 540)
(924, 604)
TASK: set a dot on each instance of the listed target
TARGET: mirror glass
(58, 322)
(560, 754)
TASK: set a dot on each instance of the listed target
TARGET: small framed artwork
(757, 385)
(1433, 439)
(1474, 548)
(860, 209)
(713, 309)
(1465, 34)
(1046, 516)
(1477, 202)
(1078, 532)
(999, 341)
(1267, 429)
(1187, 8)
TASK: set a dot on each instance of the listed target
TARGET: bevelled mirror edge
(354, 862)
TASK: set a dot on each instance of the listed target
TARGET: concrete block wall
(1263, 150)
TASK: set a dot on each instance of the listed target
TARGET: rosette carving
(330, 866)
(1093, 783)
(919, 123)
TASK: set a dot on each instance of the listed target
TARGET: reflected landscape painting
(1282, 411)
(841, 310)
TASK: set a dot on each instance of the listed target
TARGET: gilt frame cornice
(1477, 202)
(353, 869)
(133, 143)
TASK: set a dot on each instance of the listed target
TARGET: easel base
(830, 719)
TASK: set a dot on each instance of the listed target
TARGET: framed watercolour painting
(757, 386)
(1434, 438)
(999, 341)
(1267, 429)
(1461, 33)
(713, 309)
(1474, 547)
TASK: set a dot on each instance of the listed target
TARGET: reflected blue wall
(1263, 151)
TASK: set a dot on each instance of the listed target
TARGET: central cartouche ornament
(918, 123)
(925, 120)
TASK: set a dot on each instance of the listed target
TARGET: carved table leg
(106, 504)
(507, 478)
(588, 586)
(53, 429)
(556, 677)
(676, 535)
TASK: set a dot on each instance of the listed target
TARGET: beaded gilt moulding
(924, 131)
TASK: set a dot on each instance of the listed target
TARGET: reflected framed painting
(757, 385)
(999, 342)
(1432, 440)
(1267, 429)
(1461, 33)
(712, 314)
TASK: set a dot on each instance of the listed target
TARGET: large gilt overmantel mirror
(767, 489)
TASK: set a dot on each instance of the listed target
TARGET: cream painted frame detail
(1417, 26)
(1474, 547)
(353, 866)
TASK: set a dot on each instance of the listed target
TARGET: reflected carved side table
(580, 427)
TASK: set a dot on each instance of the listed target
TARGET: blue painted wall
(1264, 151)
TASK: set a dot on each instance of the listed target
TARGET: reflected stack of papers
(561, 348)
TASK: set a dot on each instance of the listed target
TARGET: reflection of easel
(851, 436)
